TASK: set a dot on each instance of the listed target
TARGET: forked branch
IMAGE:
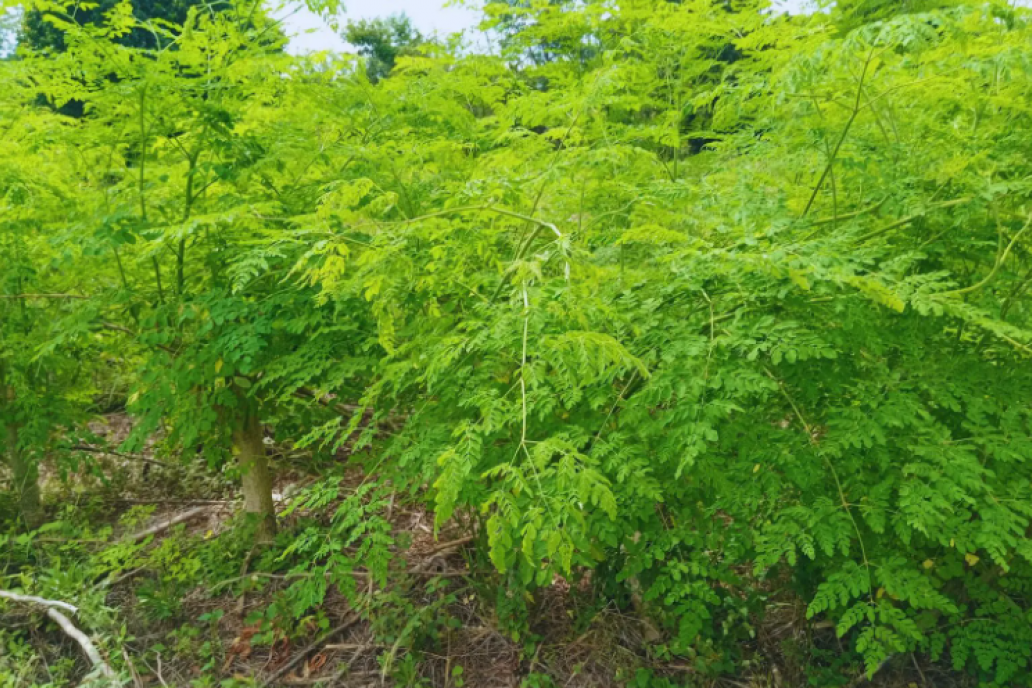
(66, 625)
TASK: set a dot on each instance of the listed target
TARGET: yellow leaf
(756, 468)
(953, 543)
(881, 593)
(971, 559)
(928, 563)
(218, 365)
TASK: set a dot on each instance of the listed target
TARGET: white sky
(309, 32)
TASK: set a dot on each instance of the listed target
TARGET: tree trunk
(249, 447)
(24, 471)
(26, 481)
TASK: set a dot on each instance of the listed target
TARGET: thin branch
(44, 296)
(907, 220)
(842, 137)
(486, 208)
(996, 268)
(834, 474)
(849, 216)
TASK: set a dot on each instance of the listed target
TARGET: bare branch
(84, 642)
(66, 625)
(32, 599)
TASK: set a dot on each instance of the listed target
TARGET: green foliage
(357, 536)
(43, 24)
(699, 298)
(382, 41)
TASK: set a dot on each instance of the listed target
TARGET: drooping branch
(996, 267)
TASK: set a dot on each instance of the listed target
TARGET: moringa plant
(714, 303)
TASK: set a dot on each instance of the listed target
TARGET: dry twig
(66, 625)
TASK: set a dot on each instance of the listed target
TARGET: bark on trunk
(256, 480)
(26, 481)
(24, 471)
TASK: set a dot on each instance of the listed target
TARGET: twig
(161, 678)
(326, 400)
(924, 680)
(66, 625)
(332, 680)
(443, 547)
(125, 576)
(847, 216)
(360, 647)
(834, 474)
(350, 621)
(132, 669)
(242, 604)
(361, 575)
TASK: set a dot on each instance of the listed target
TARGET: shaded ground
(432, 624)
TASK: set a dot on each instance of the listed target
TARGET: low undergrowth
(358, 589)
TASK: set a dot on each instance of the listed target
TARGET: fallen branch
(434, 555)
(84, 642)
(32, 599)
(131, 457)
(454, 544)
(178, 502)
(165, 525)
(66, 625)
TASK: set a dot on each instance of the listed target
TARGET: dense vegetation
(701, 332)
